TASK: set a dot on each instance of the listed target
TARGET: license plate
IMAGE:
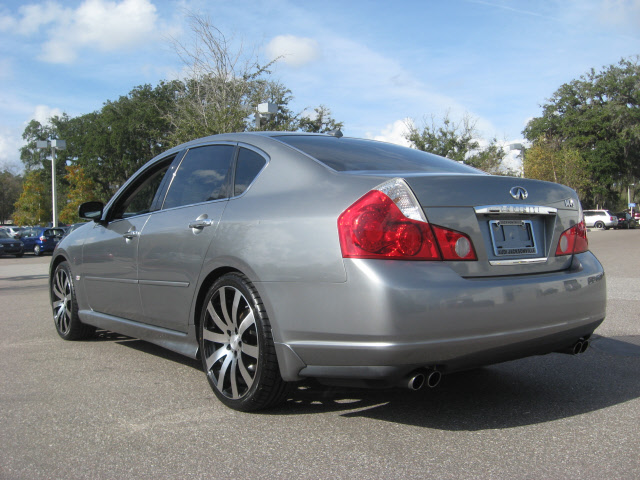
(513, 237)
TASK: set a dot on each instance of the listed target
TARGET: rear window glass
(351, 154)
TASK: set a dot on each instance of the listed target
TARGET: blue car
(41, 239)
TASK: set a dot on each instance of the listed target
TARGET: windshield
(352, 155)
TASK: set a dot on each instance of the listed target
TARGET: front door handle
(131, 234)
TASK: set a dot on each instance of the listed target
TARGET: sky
(376, 65)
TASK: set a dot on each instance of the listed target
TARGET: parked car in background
(13, 231)
(41, 239)
(625, 220)
(10, 245)
(600, 219)
(276, 257)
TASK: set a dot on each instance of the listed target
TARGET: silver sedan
(276, 257)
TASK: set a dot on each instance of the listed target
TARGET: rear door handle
(201, 223)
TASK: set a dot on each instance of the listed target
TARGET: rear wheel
(65, 306)
(37, 250)
(599, 225)
(236, 346)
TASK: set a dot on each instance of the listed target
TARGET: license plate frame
(512, 238)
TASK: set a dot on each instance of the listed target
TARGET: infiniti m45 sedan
(277, 257)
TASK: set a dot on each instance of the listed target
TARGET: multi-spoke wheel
(37, 251)
(65, 306)
(236, 346)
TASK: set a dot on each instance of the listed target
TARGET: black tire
(599, 225)
(236, 346)
(65, 306)
(37, 251)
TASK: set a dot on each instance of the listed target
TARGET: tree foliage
(559, 164)
(34, 205)
(457, 141)
(10, 188)
(81, 189)
(598, 115)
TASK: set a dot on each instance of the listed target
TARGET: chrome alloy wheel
(230, 341)
(62, 301)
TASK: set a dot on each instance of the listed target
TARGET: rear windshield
(351, 155)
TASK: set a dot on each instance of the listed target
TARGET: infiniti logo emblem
(519, 193)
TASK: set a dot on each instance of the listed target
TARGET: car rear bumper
(391, 317)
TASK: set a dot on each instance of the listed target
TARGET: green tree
(599, 115)
(320, 122)
(81, 189)
(34, 205)
(10, 188)
(559, 164)
(457, 141)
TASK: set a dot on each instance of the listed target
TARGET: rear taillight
(573, 240)
(388, 222)
(43, 238)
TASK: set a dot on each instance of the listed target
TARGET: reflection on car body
(276, 257)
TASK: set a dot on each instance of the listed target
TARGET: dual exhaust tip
(580, 346)
(424, 378)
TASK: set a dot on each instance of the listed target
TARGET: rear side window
(248, 167)
(351, 155)
(203, 176)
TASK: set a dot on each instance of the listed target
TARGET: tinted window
(350, 154)
(139, 197)
(4, 234)
(248, 166)
(201, 177)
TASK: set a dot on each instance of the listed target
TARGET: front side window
(138, 199)
(203, 176)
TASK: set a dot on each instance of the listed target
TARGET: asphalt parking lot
(115, 407)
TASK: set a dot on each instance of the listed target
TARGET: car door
(110, 252)
(175, 239)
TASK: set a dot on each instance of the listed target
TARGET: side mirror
(91, 211)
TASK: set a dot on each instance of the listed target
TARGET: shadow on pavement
(513, 394)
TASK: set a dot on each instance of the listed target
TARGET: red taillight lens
(573, 240)
(374, 227)
(454, 245)
(43, 238)
(388, 222)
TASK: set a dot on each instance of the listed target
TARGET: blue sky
(374, 64)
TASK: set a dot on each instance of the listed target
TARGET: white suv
(600, 219)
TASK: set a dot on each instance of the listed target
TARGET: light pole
(629, 196)
(55, 145)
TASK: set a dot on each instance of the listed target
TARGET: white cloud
(295, 51)
(99, 24)
(43, 114)
(394, 133)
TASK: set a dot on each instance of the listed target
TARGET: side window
(201, 177)
(248, 166)
(139, 197)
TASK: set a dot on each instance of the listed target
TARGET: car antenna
(335, 133)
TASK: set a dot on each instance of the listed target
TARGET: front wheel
(65, 306)
(37, 251)
(236, 345)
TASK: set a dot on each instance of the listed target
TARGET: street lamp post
(55, 145)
